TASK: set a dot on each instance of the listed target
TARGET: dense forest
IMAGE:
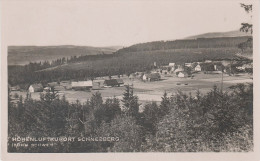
(222, 42)
(214, 122)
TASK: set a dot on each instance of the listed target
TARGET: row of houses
(76, 85)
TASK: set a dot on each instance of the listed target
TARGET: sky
(114, 23)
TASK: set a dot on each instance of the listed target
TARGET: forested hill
(221, 42)
(20, 55)
(235, 33)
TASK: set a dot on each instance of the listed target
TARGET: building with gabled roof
(110, 83)
(81, 85)
(197, 68)
(151, 77)
(183, 74)
(120, 82)
(35, 88)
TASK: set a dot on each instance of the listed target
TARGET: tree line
(222, 42)
(216, 121)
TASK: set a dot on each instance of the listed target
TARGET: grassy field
(153, 91)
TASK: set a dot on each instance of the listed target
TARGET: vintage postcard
(130, 80)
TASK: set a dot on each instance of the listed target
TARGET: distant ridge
(20, 55)
(235, 33)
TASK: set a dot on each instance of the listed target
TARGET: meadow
(153, 91)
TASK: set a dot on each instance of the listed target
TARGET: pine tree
(130, 101)
(165, 104)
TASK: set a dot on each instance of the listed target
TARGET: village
(148, 86)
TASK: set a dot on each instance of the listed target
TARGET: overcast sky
(114, 23)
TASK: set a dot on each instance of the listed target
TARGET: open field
(153, 91)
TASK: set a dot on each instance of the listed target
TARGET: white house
(182, 74)
(178, 70)
(145, 77)
(198, 68)
(171, 64)
(35, 88)
(151, 77)
(188, 64)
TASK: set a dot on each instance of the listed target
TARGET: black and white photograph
(129, 76)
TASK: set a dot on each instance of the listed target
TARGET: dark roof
(120, 81)
(154, 76)
(52, 84)
(111, 82)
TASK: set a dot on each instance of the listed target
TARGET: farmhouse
(15, 88)
(47, 89)
(171, 64)
(81, 85)
(52, 84)
(59, 88)
(178, 70)
(132, 76)
(151, 77)
(96, 86)
(35, 88)
(65, 83)
(197, 68)
(188, 64)
(120, 82)
(180, 67)
(183, 74)
(111, 83)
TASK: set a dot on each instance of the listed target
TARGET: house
(65, 83)
(111, 83)
(178, 70)
(82, 85)
(15, 88)
(59, 88)
(47, 89)
(218, 67)
(52, 84)
(35, 88)
(197, 68)
(171, 64)
(207, 67)
(96, 86)
(208, 61)
(132, 76)
(100, 82)
(182, 74)
(120, 82)
(180, 67)
(187, 64)
(151, 77)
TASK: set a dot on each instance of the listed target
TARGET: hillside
(235, 33)
(20, 55)
(139, 57)
(219, 42)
